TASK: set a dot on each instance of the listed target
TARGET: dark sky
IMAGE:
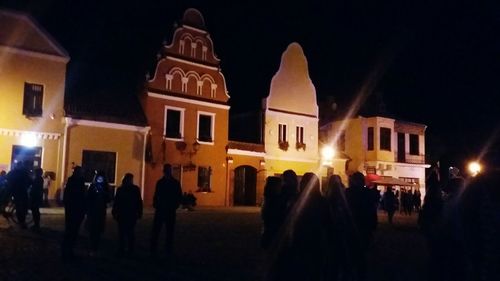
(436, 63)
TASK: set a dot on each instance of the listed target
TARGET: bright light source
(28, 139)
(474, 168)
(327, 154)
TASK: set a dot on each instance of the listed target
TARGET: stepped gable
(291, 87)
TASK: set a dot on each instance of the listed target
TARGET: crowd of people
(311, 233)
(88, 205)
(460, 219)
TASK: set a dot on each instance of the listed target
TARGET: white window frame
(211, 114)
(299, 138)
(181, 125)
(280, 134)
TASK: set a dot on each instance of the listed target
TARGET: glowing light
(474, 168)
(28, 139)
(327, 154)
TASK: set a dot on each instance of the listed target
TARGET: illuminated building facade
(186, 104)
(32, 83)
(380, 145)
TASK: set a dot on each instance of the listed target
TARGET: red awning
(370, 178)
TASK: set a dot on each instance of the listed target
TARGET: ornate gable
(188, 65)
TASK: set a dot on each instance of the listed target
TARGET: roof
(124, 109)
(21, 31)
(390, 181)
(254, 147)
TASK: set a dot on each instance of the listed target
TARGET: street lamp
(327, 154)
(474, 168)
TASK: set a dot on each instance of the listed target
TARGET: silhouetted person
(127, 209)
(302, 252)
(361, 204)
(166, 200)
(36, 197)
(289, 191)
(454, 263)
(481, 209)
(47, 182)
(19, 181)
(342, 251)
(429, 221)
(270, 212)
(389, 203)
(74, 211)
(97, 199)
(417, 202)
(3, 187)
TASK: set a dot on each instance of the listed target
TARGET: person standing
(389, 203)
(97, 200)
(361, 204)
(270, 212)
(166, 200)
(47, 180)
(36, 197)
(19, 181)
(127, 209)
(74, 211)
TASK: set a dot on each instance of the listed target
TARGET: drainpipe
(143, 170)
(67, 121)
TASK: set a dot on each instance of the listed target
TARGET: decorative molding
(272, 111)
(316, 160)
(194, 28)
(39, 135)
(34, 54)
(187, 100)
(107, 125)
(191, 63)
(245, 152)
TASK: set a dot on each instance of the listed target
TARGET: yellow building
(383, 146)
(32, 84)
(105, 134)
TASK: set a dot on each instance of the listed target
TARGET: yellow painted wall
(128, 146)
(15, 70)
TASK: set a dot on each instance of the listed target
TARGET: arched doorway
(245, 183)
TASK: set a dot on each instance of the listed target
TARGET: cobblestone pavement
(210, 244)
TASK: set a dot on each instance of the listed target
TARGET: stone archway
(245, 186)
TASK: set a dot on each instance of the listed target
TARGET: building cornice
(245, 153)
(294, 159)
(107, 125)
(188, 100)
(33, 54)
(40, 135)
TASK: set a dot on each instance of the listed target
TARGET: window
(299, 138)
(414, 144)
(174, 122)
(299, 134)
(206, 127)
(341, 141)
(204, 174)
(385, 138)
(371, 145)
(99, 161)
(33, 97)
(282, 137)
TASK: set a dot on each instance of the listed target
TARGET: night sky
(436, 63)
